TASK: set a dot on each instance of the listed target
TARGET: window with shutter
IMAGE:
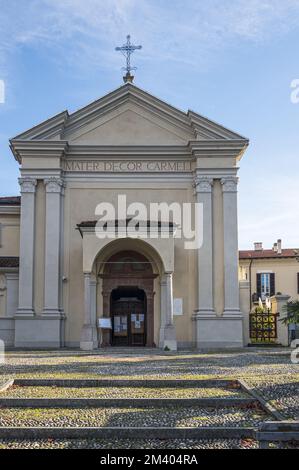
(272, 284)
(259, 285)
(265, 283)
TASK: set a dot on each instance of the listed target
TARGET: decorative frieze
(127, 166)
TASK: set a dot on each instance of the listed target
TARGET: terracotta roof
(9, 262)
(260, 254)
(10, 201)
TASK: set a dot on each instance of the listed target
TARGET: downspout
(250, 287)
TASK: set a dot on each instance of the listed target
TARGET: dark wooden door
(128, 322)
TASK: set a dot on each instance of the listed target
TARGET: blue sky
(230, 60)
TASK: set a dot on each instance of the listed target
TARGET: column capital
(3, 285)
(203, 184)
(166, 277)
(28, 184)
(230, 184)
(54, 185)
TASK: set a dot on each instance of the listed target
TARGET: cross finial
(127, 49)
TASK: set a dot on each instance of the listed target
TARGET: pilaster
(54, 191)
(203, 189)
(89, 331)
(27, 238)
(167, 332)
(230, 240)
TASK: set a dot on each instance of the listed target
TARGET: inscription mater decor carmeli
(131, 166)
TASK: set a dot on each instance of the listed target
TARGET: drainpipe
(250, 288)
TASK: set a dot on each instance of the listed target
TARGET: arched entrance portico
(128, 298)
(150, 270)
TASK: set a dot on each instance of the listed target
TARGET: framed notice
(178, 307)
(105, 323)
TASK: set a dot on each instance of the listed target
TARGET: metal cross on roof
(127, 49)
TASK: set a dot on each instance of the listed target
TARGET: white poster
(178, 307)
(105, 323)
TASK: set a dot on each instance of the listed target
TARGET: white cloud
(177, 30)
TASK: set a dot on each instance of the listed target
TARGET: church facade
(64, 284)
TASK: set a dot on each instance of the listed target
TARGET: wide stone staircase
(128, 413)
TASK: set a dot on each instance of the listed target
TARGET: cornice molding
(218, 148)
(10, 210)
(207, 127)
(47, 129)
(34, 148)
(211, 137)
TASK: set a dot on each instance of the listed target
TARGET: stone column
(230, 240)
(169, 340)
(162, 310)
(54, 190)
(89, 331)
(203, 187)
(27, 236)
(93, 309)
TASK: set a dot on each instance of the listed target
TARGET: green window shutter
(272, 284)
(259, 285)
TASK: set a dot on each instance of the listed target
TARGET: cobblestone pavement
(130, 444)
(133, 417)
(121, 392)
(270, 371)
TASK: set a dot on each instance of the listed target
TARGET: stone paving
(135, 417)
(269, 371)
(120, 392)
(130, 444)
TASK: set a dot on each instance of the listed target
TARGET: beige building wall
(9, 234)
(80, 204)
(285, 270)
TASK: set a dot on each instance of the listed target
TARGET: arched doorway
(128, 309)
(128, 298)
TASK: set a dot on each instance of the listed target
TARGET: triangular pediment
(129, 124)
(129, 116)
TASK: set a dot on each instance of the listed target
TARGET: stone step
(157, 383)
(125, 402)
(108, 433)
(128, 444)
